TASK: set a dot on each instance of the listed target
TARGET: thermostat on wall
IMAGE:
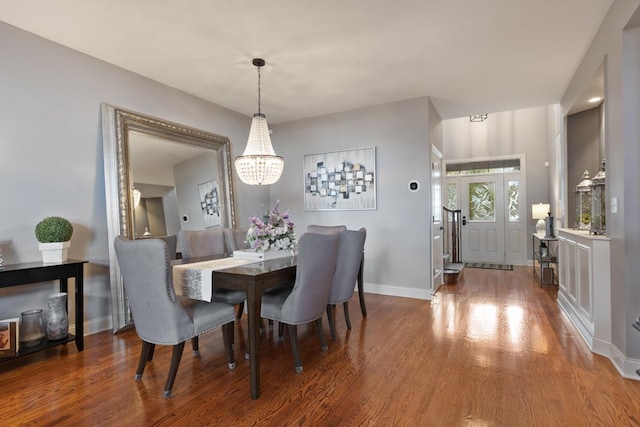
(414, 186)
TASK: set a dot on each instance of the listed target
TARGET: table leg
(363, 307)
(64, 286)
(79, 308)
(254, 301)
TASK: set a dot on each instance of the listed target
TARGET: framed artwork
(340, 180)
(210, 203)
(9, 338)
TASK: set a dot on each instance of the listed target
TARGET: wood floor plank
(492, 350)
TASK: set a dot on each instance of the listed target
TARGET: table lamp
(540, 211)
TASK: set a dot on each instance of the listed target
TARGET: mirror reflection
(161, 177)
(176, 186)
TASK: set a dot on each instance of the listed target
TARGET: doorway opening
(491, 194)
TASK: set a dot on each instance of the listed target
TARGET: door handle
(464, 220)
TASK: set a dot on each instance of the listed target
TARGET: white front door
(483, 216)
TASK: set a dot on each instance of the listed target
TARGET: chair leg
(363, 307)
(240, 310)
(320, 333)
(153, 348)
(331, 314)
(227, 335)
(293, 338)
(173, 370)
(346, 314)
(195, 346)
(145, 355)
(233, 338)
(280, 330)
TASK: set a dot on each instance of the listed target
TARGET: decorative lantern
(598, 208)
(583, 203)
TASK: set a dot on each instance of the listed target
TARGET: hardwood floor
(492, 350)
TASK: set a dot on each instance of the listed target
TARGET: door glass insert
(437, 193)
(452, 199)
(484, 167)
(513, 197)
(482, 201)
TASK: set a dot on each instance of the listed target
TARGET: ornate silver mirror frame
(117, 124)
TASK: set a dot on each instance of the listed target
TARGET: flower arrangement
(274, 231)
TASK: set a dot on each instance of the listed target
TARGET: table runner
(195, 280)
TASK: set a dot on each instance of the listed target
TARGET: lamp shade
(540, 210)
(259, 164)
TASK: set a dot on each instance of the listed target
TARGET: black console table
(35, 272)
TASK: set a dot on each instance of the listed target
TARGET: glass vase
(56, 318)
(31, 328)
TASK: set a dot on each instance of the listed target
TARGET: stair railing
(451, 234)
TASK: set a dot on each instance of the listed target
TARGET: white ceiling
(333, 55)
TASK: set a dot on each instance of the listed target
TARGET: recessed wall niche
(585, 137)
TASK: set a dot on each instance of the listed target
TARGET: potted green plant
(54, 233)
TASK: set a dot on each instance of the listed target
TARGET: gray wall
(525, 131)
(398, 248)
(631, 131)
(188, 175)
(51, 155)
(619, 49)
(155, 215)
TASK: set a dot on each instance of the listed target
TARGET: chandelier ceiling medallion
(259, 164)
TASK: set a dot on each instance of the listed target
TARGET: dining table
(254, 278)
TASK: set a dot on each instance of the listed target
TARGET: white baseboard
(94, 326)
(397, 291)
(625, 365)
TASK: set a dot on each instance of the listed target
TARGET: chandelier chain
(258, 89)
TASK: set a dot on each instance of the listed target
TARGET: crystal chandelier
(259, 164)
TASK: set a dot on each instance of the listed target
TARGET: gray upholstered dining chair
(235, 238)
(160, 317)
(172, 243)
(330, 229)
(350, 253)
(201, 243)
(307, 300)
(208, 243)
(325, 229)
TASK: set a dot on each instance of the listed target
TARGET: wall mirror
(160, 177)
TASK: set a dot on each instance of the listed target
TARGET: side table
(35, 272)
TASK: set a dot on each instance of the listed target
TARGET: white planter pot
(54, 252)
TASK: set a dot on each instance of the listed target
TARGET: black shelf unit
(545, 263)
(36, 272)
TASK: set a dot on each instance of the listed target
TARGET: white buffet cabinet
(584, 287)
